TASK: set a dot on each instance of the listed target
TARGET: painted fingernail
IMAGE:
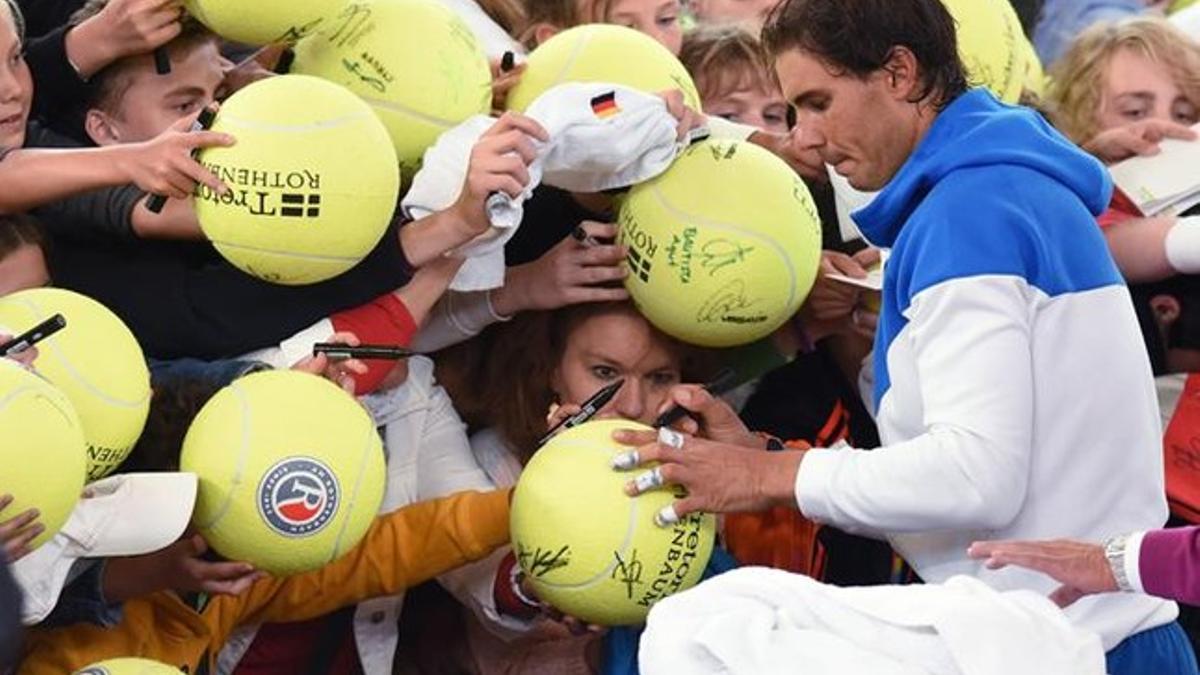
(666, 517)
(625, 461)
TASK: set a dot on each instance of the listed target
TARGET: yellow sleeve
(401, 549)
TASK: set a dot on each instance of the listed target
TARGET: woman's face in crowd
(23, 268)
(750, 104)
(16, 84)
(613, 346)
(657, 18)
(1138, 88)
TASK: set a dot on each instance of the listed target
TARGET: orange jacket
(402, 549)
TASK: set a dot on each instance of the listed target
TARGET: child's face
(154, 102)
(16, 84)
(657, 18)
(747, 103)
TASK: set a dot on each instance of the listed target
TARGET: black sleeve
(90, 216)
(10, 619)
(43, 16)
(182, 300)
(58, 93)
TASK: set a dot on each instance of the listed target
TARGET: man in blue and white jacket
(1013, 394)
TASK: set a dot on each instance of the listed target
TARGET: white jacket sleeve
(446, 465)
(967, 464)
(457, 317)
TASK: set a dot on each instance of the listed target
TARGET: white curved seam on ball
(684, 215)
(570, 61)
(364, 461)
(629, 532)
(259, 125)
(291, 254)
(415, 114)
(240, 468)
(51, 347)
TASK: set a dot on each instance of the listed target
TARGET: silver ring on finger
(670, 437)
(649, 480)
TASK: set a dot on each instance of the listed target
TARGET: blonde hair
(721, 58)
(1077, 79)
(18, 20)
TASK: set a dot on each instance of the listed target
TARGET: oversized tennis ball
(588, 548)
(723, 247)
(414, 61)
(43, 452)
(260, 22)
(95, 361)
(291, 471)
(989, 43)
(313, 180)
(129, 667)
(1178, 5)
(602, 53)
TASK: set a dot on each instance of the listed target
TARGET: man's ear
(902, 74)
(100, 128)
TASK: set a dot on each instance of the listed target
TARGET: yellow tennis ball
(1179, 4)
(96, 362)
(415, 62)
(43, 452)
(602, 53)
(723, 246)
(260, 22)
(588, 548)
(989, 37)
(129, 667)
(313, 180)
(291, 471)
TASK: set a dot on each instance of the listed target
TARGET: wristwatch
(1114, 551)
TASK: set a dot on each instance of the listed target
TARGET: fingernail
(631, 489)
(625, 461)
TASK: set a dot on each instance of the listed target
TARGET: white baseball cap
(122, 515)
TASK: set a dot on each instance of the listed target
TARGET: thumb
(1064, 596)
(197, 546)
(182, 124)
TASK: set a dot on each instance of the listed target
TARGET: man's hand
(570, 273)
(179, 567)
(17, 533)
(499, 163)
(164, 165)
(715, 477)
(26, 357)
(258, 66)
(1136, 139)
(503, 81)
(1080, 567)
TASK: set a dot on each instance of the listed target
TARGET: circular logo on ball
(298, 496)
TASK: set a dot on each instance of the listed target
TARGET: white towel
(758, 621)
(602, 136)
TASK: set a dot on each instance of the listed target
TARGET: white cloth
(122, 515)
(847, 199)
(428, 456)
(593, 146)
(758, 621)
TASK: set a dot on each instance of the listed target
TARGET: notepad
(1167, 183)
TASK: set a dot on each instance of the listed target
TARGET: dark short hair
(859, 36)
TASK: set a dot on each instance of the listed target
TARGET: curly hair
(1077, 79)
